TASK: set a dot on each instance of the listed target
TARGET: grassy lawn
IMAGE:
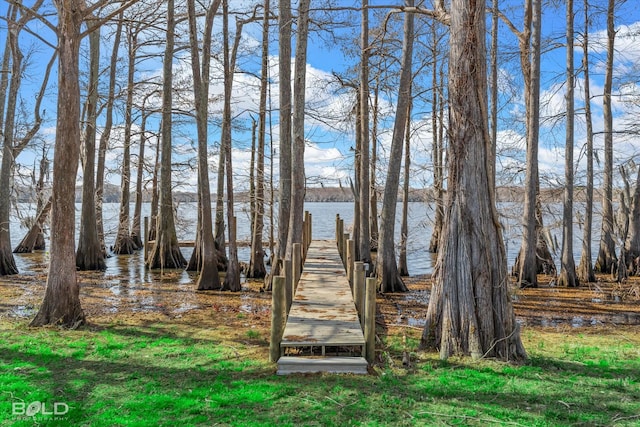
(183, 374)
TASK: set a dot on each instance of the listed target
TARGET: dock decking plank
(323, 312)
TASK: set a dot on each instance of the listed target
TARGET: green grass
(168, 375)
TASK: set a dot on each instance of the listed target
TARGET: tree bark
(89, 255)
(106, 134)
(30, 241)
(470, 312)
(232, 277)
(61, 304)
(298, 180)
(607, 259)
(208, 278)
(403, 268)
(257, 268)
(124, 244)
(364, 237)
(284, 169)
(567, 277)
(585, 268)
(389, 279)
(165, 253)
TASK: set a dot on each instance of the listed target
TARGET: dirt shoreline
(109, 299)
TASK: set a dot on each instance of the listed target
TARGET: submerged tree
(208, 277)
(166, 253)
(89, 255)
(585, 268)
(607, 259)
(568, 276)
(257, 269)
(470, 311)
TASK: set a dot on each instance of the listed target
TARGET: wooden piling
(278, 307)
(358, 289)
(145, 239)
(351, 253)
(288, 274)
(296, 265)
(370, 320)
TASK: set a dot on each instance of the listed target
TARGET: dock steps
(313, 365)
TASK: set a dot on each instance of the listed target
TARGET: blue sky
(330, 129)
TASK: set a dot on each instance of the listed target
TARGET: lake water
(420, 218)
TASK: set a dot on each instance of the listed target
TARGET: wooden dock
(323, 331)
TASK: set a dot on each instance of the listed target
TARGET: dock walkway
(323, 331)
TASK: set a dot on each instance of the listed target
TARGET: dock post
(340, 239)
(277, 317)
(145, 239)
(288, 275)
(358, 289)
(370, 320)
(297, 265)
(309, 232)
(351, 253)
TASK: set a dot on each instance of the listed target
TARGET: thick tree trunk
(208, 278)
(166, 254)
(389, 279)
(585, 268)
(470, 312)
(61, 305)
(89, 255)
(607, 260)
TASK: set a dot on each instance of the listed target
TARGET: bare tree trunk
(7, 261)
(389, 279)
(257, 269)
(124, 244)
(106, 134)
(29, 242)
(373, 212)
(568, 276)
(470, 312)
(232, 278)
(364, 237)
(284, 187)
(585, 268)
(136, 226)
(89, 255)
(208, 266)
(403, 268)
(61, 304)
(155, 194)
(298, 180)
(437, 125)
(607, 260)
(166, 253)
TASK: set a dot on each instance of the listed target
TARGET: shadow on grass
(157, 376)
